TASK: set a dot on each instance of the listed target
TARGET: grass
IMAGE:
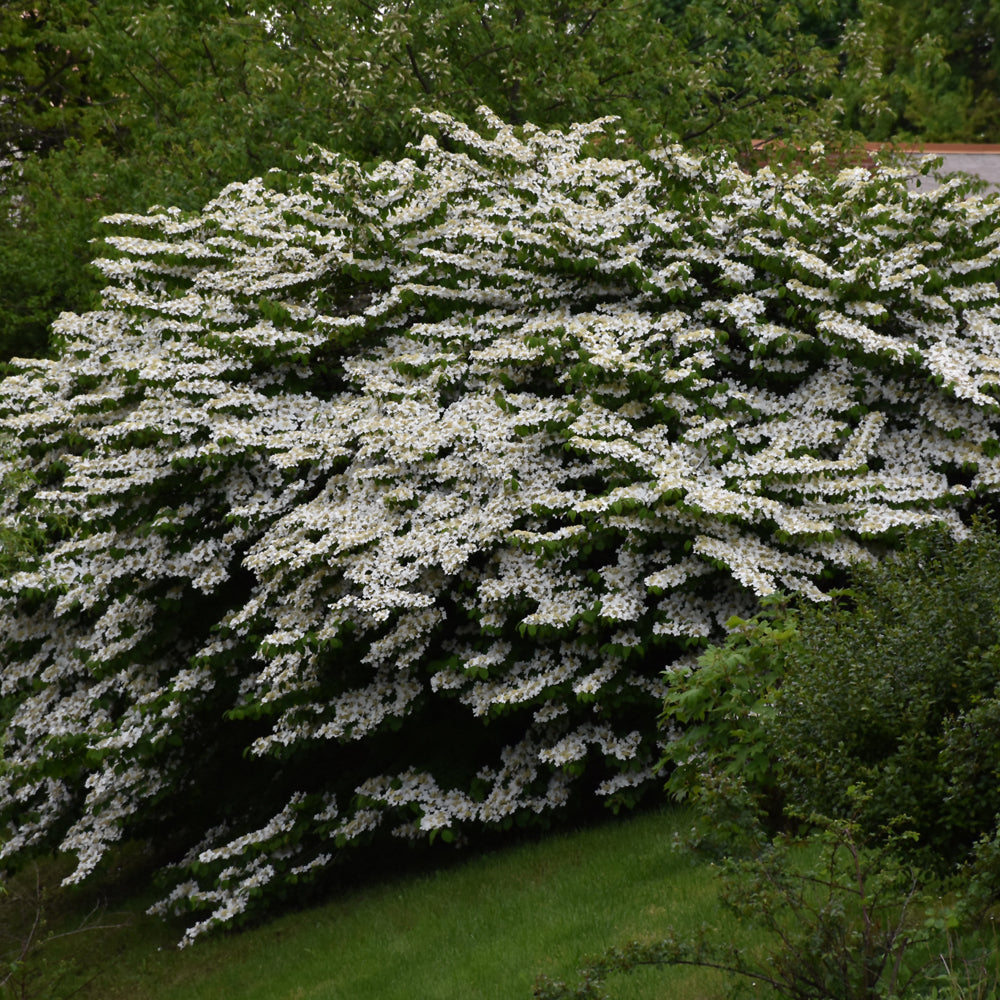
(482, 929)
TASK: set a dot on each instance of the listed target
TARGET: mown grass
(482, 929)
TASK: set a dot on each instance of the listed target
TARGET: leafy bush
(378, 500)
(896, 688)
(892, 687)
(718, 715)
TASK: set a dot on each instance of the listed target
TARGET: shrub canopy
(378, 500)
(875, 711)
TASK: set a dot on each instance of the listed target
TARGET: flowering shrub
(379, 500)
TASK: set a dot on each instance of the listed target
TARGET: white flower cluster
(381, 500)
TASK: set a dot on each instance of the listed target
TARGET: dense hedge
(378, 501)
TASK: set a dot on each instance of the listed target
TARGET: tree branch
(421, 79)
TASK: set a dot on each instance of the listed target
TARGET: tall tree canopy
(115, 105)
(926, 69)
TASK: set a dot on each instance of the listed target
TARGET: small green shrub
(895, 686)
(892, 686)
(718, 714)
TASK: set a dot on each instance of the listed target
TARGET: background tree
(116, 105)
(921, 70)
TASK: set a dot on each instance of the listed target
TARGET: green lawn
(479, 930)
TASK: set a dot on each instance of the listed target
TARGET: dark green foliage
(910, 69)
(894, 687)
(746, 42)
(722, 709)
(924, 69)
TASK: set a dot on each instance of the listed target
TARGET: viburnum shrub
(379, 500)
